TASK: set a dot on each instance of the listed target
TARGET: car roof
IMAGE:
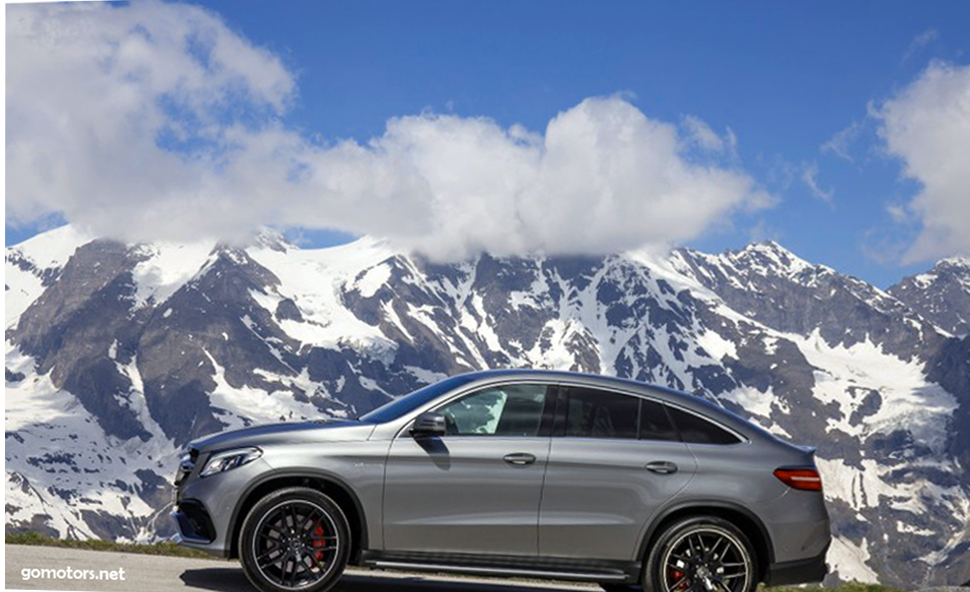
(563, 375)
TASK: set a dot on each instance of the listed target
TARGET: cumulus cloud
(927, 126)
(156, 120)
(98, 96)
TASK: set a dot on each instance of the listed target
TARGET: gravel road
(148, 573)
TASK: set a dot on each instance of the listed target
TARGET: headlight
(230, 459)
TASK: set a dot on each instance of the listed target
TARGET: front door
(477, 488)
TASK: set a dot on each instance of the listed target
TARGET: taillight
(801, 478)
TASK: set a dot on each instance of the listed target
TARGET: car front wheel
(294, 539)
(701, 554)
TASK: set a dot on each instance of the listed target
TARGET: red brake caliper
(675, 575)
(318, 541)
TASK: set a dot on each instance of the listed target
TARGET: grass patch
(852, 586)
(166, 548)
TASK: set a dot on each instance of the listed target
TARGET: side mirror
(429, 424)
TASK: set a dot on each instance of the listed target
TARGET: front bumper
(197, 530)
(193, 522)
(204, 506)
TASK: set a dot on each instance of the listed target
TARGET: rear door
(476, 489)
(614, 459)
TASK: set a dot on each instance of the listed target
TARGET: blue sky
(785, 78)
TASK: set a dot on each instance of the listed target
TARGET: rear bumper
(802, 571)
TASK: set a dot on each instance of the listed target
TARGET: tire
(699, 554)
(294, 539)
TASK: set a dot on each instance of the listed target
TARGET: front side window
(507, 410)
(593, 413)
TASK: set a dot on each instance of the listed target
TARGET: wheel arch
(335, 488)
(741, 517)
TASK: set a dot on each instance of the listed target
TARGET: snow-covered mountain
(941, 295)
(116, 355)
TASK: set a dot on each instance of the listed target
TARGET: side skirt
(506, 566)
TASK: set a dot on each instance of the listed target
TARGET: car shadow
(227, 579)
(218, 579)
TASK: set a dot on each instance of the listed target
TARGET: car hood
(303, 431)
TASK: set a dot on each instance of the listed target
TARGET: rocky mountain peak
(270, 238)
(941, 295)
(766, 260)
(961, 262)
(771, 256)
(951, 269)
(768, 283)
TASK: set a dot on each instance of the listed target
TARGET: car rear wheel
(294, 539)
(701, 554)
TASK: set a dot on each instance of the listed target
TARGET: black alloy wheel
(294, 539)
(701, 554)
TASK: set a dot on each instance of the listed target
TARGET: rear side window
(700, 431)
(592, 413)
(655, 423)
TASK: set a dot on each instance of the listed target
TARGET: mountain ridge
(142, 347)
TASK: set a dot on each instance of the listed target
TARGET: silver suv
(513, 473)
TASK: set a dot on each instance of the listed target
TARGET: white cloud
(701, 134)
(927, 126)
(810, 178)
(920, 41)
(897, 213)
(155, 120)
(841, 143)
(92, 88)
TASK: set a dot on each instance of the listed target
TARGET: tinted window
(509, 410)
(700, 431)
(592, 413)
(655, 423)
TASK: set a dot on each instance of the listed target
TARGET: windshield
(404, 405)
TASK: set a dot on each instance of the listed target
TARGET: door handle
(661, 467)
(519, 458)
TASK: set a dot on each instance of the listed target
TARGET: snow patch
(908, 399)
(314, 279)
(166, 268)
(717, 346)
(373, 279)
(243, 406)
(752, 400)
(849, 560)
(59, 461)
